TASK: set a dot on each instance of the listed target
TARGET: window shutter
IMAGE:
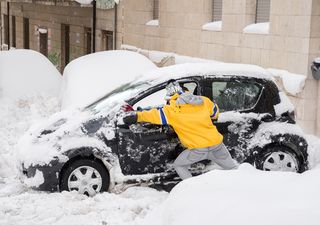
(155, 9)
(263, 11)
(216, 10)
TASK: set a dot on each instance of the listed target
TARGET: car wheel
(85, 176)
(278, 158)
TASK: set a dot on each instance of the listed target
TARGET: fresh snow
(257, 28)
(293, 83)
(153, 23)
(92, 76)
(244, 196)
(27, 72)
(213, 26)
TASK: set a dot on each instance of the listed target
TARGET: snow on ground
(70, 208)
(244, 196)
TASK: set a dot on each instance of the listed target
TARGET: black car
(92, 150)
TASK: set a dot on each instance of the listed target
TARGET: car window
(153, 100)
(235, 95)
(157, 98)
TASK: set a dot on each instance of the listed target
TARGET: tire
(86, 176)
(278, 158)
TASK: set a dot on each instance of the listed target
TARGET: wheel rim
(86, 180)
(280, 161)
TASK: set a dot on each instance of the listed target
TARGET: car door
(237, 99)
(148, 148)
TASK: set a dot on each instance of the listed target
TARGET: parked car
(92, 151)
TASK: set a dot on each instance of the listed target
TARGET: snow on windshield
(90, 77)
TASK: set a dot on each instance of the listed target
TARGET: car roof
(205, 69)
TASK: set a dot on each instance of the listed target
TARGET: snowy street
(243, 196)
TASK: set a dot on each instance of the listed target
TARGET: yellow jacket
(190, 116)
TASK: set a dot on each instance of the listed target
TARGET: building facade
(281, 34)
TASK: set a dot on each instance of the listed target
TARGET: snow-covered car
(91, 150)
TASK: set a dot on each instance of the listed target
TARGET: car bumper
(50, 175)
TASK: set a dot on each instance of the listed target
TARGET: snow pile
(153, 23)
(293, 83)
(158, 56)
(29, 86)
(257, 28)
(285, 105)
(313, 150)
(90, 77)
(38, 208)
(213, 26)
(27, 72)
(242, 197)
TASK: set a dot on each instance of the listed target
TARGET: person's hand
(130, 119)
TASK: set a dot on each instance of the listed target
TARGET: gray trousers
(218, 154)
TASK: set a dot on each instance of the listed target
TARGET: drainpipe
(94, 17)
(8, 13)
(115, 26)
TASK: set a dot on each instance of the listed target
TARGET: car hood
(73, 129)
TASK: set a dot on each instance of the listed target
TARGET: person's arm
(155, 116)
(214, 110)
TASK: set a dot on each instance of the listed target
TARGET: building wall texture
(292, 43)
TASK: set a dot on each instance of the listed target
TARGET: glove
(130, 119)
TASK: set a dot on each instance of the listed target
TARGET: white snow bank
(27, 72)
(153, 23)
(293, 83)
(213, 26)
(158, 56)
(89, 77)
(18, 116)
(242, 197)
(257, 28)
(285, 105)
(313, 150)
(38, 208)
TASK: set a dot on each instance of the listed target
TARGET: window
(157, 98)
(262, 11)
(26, 33)
(88, 38)
(13, 27)
(153, 100)
(6, 29)
(107, 39)
(235, 95)
(43, 33)
(65, 45)
(216, 10)
(156, 9)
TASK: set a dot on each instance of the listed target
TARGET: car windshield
(117, 96)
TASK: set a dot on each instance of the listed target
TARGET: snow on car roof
(91, 76)
(206, 69)
(25, 72)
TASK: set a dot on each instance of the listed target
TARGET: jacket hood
(188, 98)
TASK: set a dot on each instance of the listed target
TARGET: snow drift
(26, 73)
(90, 77)
(29, 89)
(242, 197)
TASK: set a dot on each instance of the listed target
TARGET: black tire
(83, 164)
(267, 156)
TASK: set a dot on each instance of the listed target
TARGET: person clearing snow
(191, 118)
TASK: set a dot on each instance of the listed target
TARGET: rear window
(235, 95)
